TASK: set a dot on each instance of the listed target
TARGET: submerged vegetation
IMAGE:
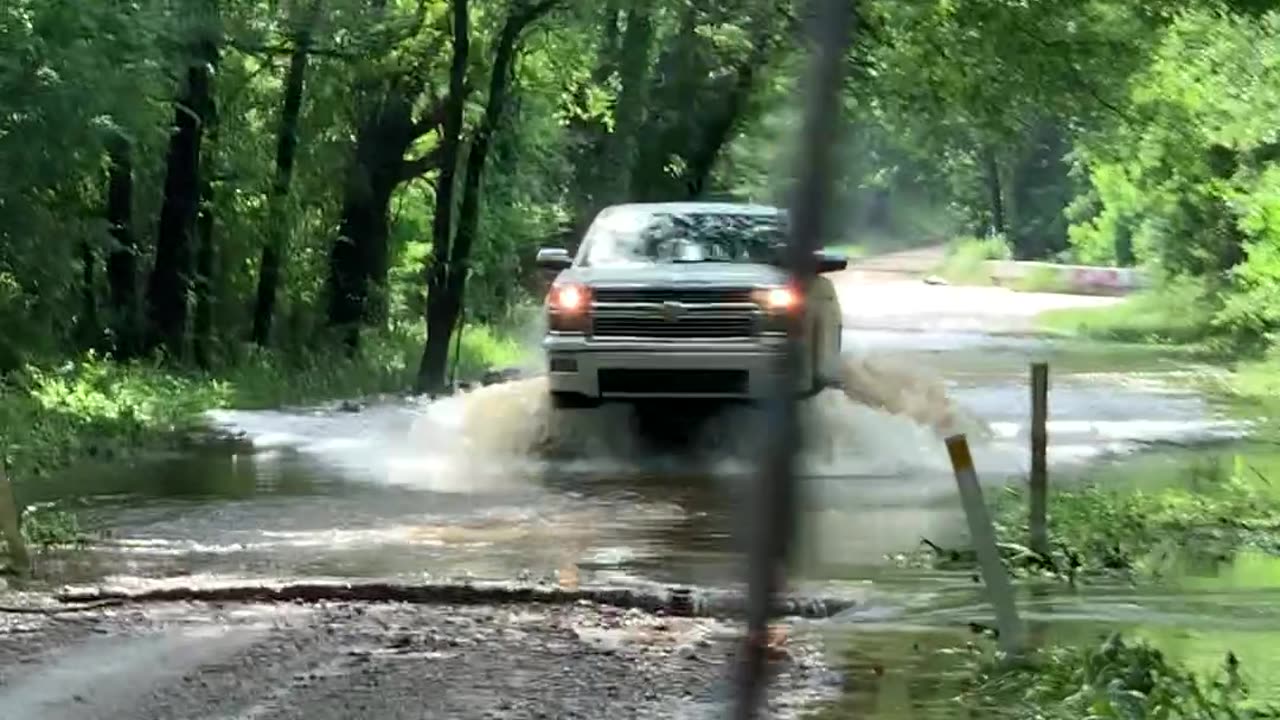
(1109, 531)
(1113, 678)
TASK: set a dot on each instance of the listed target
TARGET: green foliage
(966, 259)
(95, 407)
(1176, 312)
(1190, 184)
(1096, 530)
(44, 526)
(1116, 679)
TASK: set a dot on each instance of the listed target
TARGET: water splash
(884, 420)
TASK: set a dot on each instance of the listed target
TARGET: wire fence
(774, 506)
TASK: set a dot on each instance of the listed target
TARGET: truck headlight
(780, 299)
(568, 307)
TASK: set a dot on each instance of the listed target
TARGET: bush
(1179, 311)
(1116, 679)
(966, 258)
(98, 407)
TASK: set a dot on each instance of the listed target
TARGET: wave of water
(888, 419)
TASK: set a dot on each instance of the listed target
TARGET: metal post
(770, 533)
(1039, 465)
(983, 535)
(9, 524)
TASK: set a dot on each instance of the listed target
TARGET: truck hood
(679, 275)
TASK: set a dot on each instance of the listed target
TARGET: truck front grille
(673, 382)
(687, 326)
(681, 295)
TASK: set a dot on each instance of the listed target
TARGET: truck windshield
(642, 238)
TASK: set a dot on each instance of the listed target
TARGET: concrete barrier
(1081, 279)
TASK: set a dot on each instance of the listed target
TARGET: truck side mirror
(554, 259)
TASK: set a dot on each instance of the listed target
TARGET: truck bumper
(629, 369)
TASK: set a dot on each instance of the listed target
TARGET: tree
(171, 277)
(286, 157)
(450, 262)
(388, 128)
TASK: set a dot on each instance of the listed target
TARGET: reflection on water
(918, 662)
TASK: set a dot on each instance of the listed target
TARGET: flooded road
(493, 485)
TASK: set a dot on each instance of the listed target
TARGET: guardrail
(1086, 279)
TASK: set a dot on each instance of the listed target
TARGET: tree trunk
(994, 191)
(170, 285)
(444, 300)
(703, 155)
(277, 224)
(122, 261)
(87, 325)
(435, 352)
(588, 135)
(357, 260)
(629, 114)
(678, 86)
(353, 259)
(202, 330)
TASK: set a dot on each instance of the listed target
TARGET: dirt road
(888, 292)
(383, 661)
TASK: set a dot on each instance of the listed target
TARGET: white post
(999, 589)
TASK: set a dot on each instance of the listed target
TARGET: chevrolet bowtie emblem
(671, 311)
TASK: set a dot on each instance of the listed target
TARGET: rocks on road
(384, 661)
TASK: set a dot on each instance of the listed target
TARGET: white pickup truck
(683, 300)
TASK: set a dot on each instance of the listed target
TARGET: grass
(1135, 533)
(966, 258)
(1116, 678)
(95, 407)
(1175, 314)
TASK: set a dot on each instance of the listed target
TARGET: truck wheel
(572, 401)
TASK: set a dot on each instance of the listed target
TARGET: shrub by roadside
(931, 675)
(1116, 679)
(50, 416)
(1105, 531)
(966, 257)
(1172, 314)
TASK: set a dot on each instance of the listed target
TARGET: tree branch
(286, 49)
(1075, 76)
(435, 115)
(417, 167)
(524, 17)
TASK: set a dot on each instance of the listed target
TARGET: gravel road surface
(383, 661)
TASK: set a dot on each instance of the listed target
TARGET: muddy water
(494, 485)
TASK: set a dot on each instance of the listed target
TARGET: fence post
(9, 525)
(999, 588)
(1039, 483)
